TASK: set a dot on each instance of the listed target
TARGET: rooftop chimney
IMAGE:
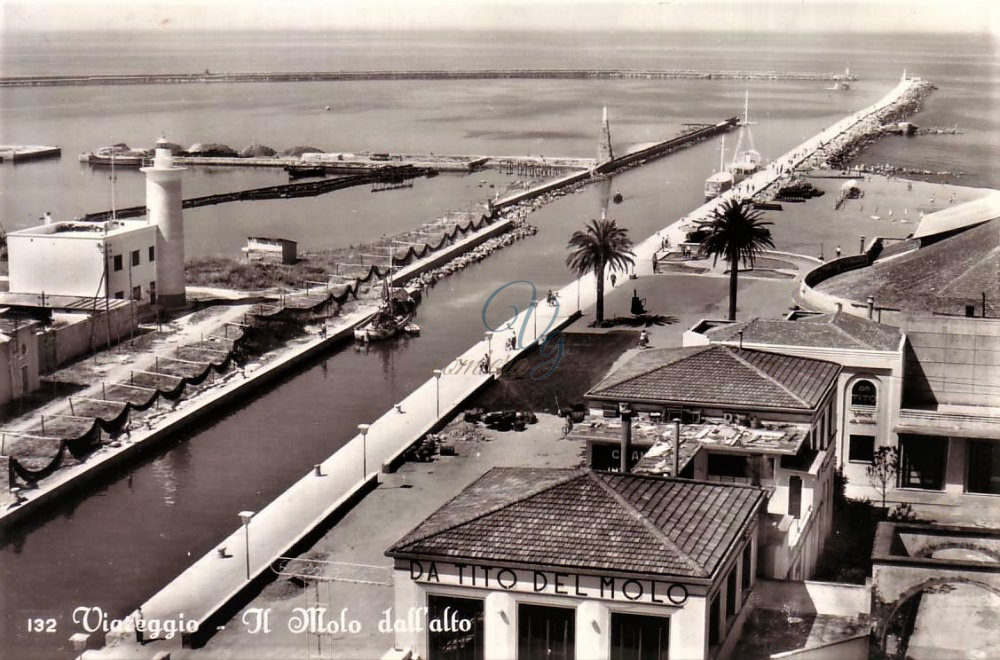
(626, 446)
(677, 448)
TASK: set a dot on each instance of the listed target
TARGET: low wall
(839, 599)
(85, 332)
(849, 648)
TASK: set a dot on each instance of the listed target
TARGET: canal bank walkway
(214, 581)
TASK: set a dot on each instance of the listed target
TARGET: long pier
(437, 74)
(282, 191)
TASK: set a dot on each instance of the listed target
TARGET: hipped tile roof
(588, 521)
(721, 375)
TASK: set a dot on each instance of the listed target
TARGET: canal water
(133, 532)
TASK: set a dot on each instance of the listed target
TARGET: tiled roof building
(563, 562)
(722, 376)
(588, 520)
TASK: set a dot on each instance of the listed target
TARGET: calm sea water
(137, 530)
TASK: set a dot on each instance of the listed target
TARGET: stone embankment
(840, 151)
(887, 169)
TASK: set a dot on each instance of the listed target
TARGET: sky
(933, 16)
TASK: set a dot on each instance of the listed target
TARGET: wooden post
(104, 391)
(43, 424)
(71, 410)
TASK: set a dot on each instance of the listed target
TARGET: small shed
(277, 250)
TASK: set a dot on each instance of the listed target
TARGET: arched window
(863, 393)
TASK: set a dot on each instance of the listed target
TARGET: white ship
(722, 180)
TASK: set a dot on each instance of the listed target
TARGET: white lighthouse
(163, 205)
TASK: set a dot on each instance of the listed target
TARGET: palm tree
(602, 244)
(737, 233)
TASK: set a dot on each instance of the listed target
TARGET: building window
(714, 619)
(446, 644)
(731, 593)
(638, 637)
(922, 461)
(747, 569)
(136, 293)
(795, 496)
(546, 633)
(120, 295)
(728, 467)
(861, 449)
(152, 292)
(152, 253)
(984, 467)
(863, 393)
(135, 257)
(118, 262)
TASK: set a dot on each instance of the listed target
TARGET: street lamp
(364, 448)
(437, 384)
(489, 352)
(578, 293)
(245, 517)
(534, 316)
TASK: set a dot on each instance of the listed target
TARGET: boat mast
(722, 155)
(114, 195)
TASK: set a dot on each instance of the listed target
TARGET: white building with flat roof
(113, 259)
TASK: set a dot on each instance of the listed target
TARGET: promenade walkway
(213, 581)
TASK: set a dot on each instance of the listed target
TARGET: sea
(121, 540)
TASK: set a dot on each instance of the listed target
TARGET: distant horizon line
(644, 30)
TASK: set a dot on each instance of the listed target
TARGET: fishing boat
(722, 180)
(118, 155)
(303, 171)
(393, 316)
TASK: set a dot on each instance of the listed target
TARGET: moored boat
(393, 316)
(722, 180)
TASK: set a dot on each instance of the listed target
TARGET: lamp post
(489, 352)
(364, 448)
(534, 316)
(437, 391)
(245, 517)
(578, 293)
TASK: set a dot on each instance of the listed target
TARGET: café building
(571, 563)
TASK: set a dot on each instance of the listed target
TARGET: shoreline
(441, 74)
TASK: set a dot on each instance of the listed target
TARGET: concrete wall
(73, 335)
(850, 648)
(952, 361)
(71, 263)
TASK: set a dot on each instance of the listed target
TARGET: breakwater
(471, 74)
(282, 191)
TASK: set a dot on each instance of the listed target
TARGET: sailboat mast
(114, 191)
(722, 155)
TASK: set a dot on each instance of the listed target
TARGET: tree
(602, 244)
(737, 233)
(883, 470)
